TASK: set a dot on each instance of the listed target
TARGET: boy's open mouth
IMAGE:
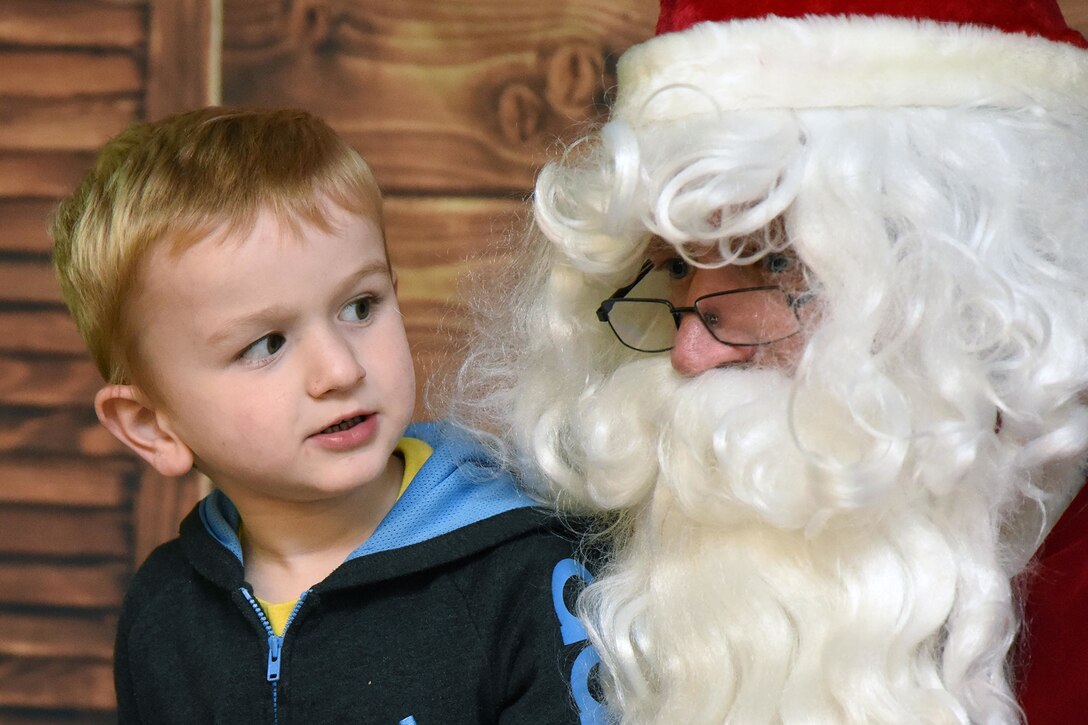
(345, 424)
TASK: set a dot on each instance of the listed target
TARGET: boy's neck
(289, 546)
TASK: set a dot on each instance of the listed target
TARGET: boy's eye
(358, 310)
(266, 347)
(676, 267)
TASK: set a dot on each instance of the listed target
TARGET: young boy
(228, 271)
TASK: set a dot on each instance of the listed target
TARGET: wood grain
(77, 482)
(25, 223)
(78, 124)
(74, 23)
(48, 382)
(56, 683)
(87, 586)
(20, 716)
(32, 280)
(57, 635)
(1076, 14)
(34, 330)
(41, 174)
(180, 71)
(161, 503)
(422, 230)
(54, 74)
(35, 432)
(64, 532)
(470, 100)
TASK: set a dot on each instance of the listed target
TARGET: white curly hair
(833, 543)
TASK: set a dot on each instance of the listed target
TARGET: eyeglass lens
(748, 317)
(645, 325)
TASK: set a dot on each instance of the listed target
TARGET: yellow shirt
(415, 453)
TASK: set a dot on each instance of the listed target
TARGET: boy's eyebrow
(278, 311)
(375, 267)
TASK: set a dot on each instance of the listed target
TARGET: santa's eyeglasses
(745, 317)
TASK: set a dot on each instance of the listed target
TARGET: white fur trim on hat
(843, 62)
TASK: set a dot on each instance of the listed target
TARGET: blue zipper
(275, 646)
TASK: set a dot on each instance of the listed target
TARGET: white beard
(757, 586)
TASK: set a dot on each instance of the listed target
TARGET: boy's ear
(125, 412)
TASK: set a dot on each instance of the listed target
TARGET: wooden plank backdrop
(456, 104)
(72, 73)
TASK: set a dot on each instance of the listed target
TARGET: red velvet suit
(1053, 660)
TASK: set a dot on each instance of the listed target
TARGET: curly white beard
(763, 583)
(828, 546)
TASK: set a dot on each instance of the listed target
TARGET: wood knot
(520, 113)
(573, 79)
(312, 23)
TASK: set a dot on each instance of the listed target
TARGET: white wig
(949, 250)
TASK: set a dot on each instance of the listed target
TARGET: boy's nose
(695, 350)
(334, 367)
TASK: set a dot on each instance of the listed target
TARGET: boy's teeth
(344, 425)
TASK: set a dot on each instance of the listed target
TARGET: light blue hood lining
(456, 487)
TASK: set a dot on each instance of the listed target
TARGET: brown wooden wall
(455, 103)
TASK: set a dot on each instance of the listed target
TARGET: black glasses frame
(678, 313)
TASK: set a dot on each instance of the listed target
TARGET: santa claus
(805, 324)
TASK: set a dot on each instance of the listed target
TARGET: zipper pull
(275, 645)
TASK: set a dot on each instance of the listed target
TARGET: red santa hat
(721, 55)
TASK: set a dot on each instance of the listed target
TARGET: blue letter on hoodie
(590, 711)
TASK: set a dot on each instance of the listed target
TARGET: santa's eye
(777, 263)
(676, 267)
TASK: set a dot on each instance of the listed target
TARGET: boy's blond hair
(175, 182)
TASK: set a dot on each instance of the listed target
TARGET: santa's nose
(695, 350)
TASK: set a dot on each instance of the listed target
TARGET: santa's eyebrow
(658, 247)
